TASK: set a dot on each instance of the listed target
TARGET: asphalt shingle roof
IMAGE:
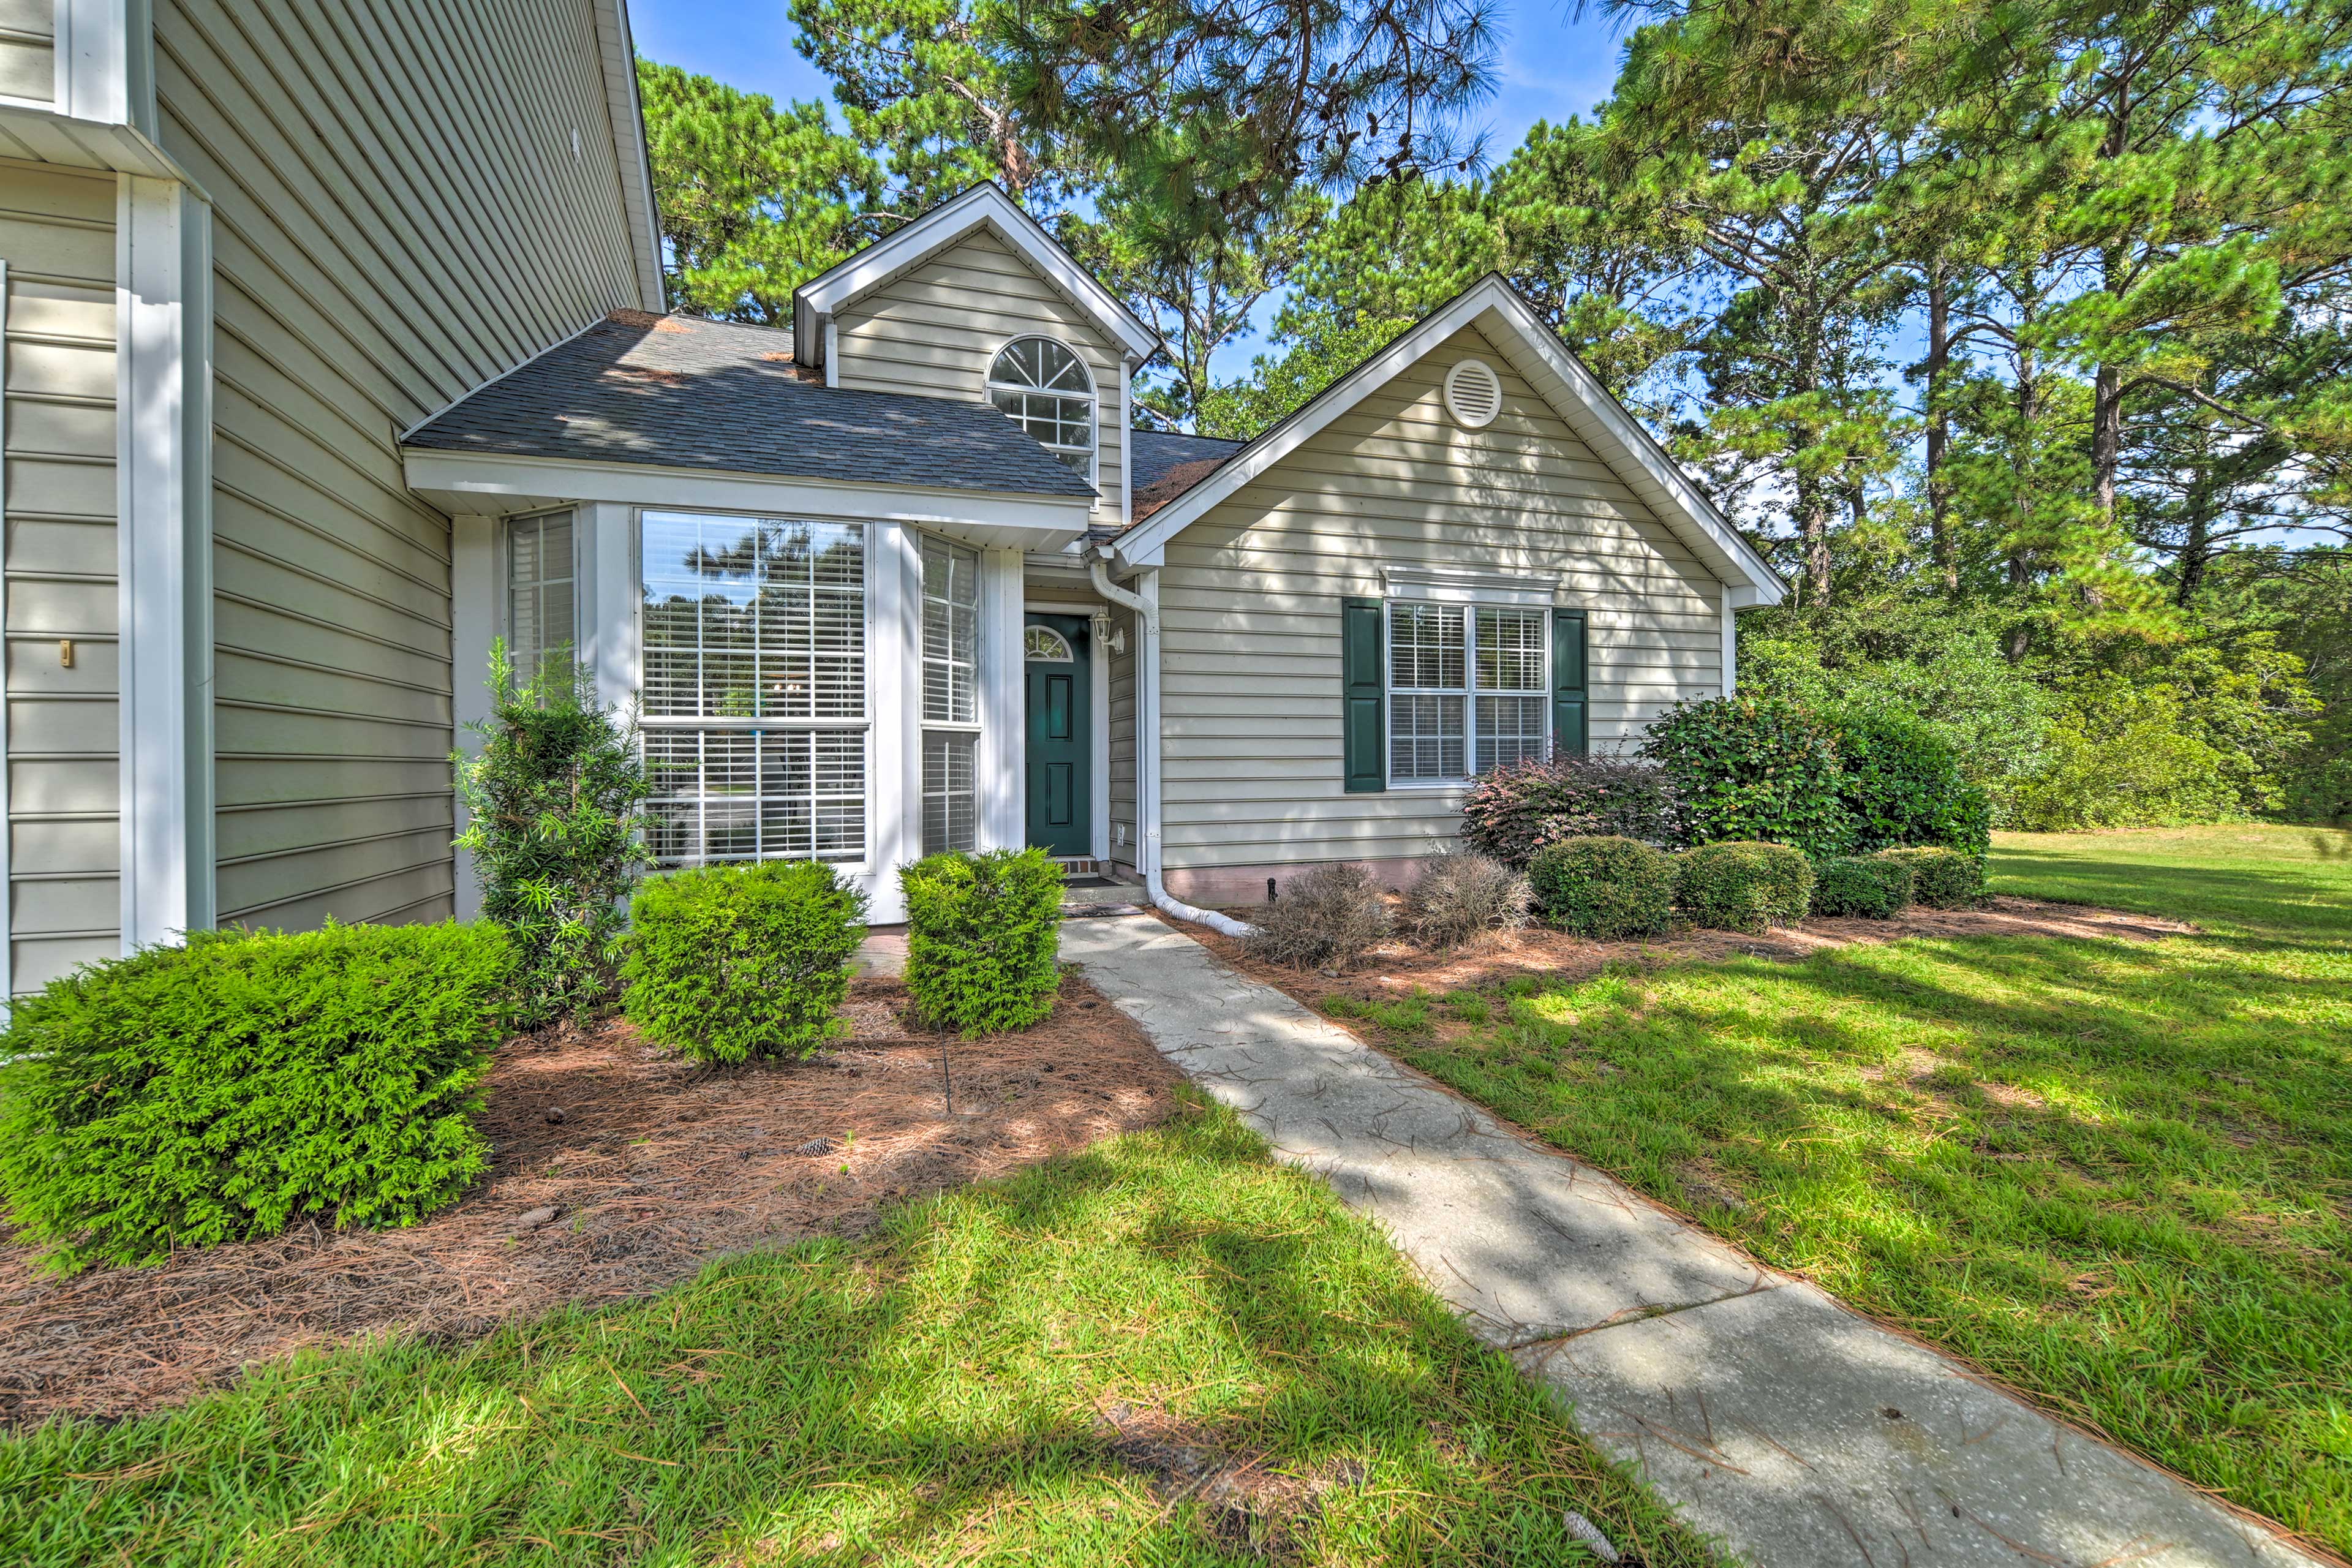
(676, 391)
(1167, 464)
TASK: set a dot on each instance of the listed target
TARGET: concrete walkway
(1798, 1434)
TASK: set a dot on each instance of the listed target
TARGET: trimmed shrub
(727, 963)
(1940, 879)
(1514, 811)
(1327, 918)
(1747, 769)
(1743, 886)
(189, 1095)
(1903, 786)
(982, 932)
(1605, 887)
(1463, 896)
(1869, 886)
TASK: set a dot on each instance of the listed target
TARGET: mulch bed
(1395, 968)
(652, 1165)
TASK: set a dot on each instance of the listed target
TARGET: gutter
(1146, 606)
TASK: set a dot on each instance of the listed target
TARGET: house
(335, 351)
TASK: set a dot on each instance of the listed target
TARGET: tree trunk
(1939, 430)
(1813, 504)
(2107, 438)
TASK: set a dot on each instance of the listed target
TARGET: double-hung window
(950, 696)
(754, 703)
(541, 594)
(1467, 689)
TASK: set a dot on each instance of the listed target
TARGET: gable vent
(1474, 394)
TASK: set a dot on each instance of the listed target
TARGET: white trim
(164, 528)
(616, 53)
(1147, 729)
(7, 891)
(984, 205)
(831, 353)
(103, 53)
(1097, 715)
(1452, 391)
(1002, 767)
(1469, 691)
(1535, 588)
(1616, 437)
(1730, 647)
(990, 385)
(1126, 443)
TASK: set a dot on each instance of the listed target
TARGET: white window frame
(1519, 598)
(507, 585)
(992, 386)
(926, 726)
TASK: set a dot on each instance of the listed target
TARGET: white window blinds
(950, 695)
(542, 585)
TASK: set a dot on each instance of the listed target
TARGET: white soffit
(1520, 336)
(816, 302)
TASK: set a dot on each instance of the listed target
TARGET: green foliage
(1873, 887)
(729, 962)
(556, 830)
(981, 935)
(1604, 887)
(1901, 784)
(1743, 885)
(1513, 810)
(1940, 879)
(189, 1095)
(1744, 768)
(1327, 918)
(1459, 897)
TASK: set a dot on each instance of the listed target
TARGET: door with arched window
(1057, 656)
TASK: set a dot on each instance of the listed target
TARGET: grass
(2117, 1174)
(929, 1397)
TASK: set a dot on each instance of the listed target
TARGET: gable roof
(1169, 462)
(1601, 422)
(676, 391)
(981, 206)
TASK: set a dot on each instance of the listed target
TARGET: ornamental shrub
(189, 1095)
(729, 962)
(1872, 887)
(1327, 918)
(1605, 887)
(1463, 896)
(1940, 879)
(1903, 785)
(982, 932)
(1744, 884)
(1515, 810)
(556, 833)
(1746, 768)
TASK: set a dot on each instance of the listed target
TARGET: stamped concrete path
(1799, 1434)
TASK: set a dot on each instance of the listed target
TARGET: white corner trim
(1125, 440)
(104, 57)
(982, 205)
(7, 899)
(163, 511)
(1730, 647)
(1004, 805)
(1468, 588)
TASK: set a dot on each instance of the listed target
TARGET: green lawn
(927, 1397)
(2117, 1174)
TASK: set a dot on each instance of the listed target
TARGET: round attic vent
(1474, 394)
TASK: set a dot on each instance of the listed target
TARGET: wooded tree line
(2015, 330)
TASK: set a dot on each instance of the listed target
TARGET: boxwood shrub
(1940, 879)
(982, 932)
(729, 962)
(1901, 784)
(189, 1095)
(1604, 887)
(1743, 885)
(1869, 886)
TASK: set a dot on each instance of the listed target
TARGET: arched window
(1043, 644)
(1049, 391)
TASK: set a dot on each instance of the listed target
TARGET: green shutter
(1570, 727)
(1366, 743)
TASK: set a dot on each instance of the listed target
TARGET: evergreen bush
(1871, 887)
(982, 932)
(1742, 885)
(1605, 887)
(1327, 918)
(556, 832)
(1513, 810)
(1462, 896)
(1940, 879)
(1901, 784)
(1745, 769)
(729, 962)
(189, 1095)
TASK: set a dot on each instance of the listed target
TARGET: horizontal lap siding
(934, 331)
(399, 216)
(27, 61)
(1250, 601)
(57, 235)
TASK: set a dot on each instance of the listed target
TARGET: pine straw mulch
(1395, 968)
(652, 1165)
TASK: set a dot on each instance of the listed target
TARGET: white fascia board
(1617, 438)
(458, 481)
(984, 205)
(617, 52)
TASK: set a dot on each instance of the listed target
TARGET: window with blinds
(754, 698)
(950, 696)
(1467, 690)
(542, 595)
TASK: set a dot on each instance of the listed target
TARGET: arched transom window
(1043, 644)
(1049, 391)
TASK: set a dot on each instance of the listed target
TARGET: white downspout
(1147, 751)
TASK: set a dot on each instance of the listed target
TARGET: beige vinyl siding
(934, 330)
(1250, 601)
(1124, 838)
(28, 58)
(400, 214)
(57, 235)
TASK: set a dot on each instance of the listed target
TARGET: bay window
(1467, 689)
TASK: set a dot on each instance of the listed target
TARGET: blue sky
(1552, 66)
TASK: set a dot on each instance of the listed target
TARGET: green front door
(1059, 659)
